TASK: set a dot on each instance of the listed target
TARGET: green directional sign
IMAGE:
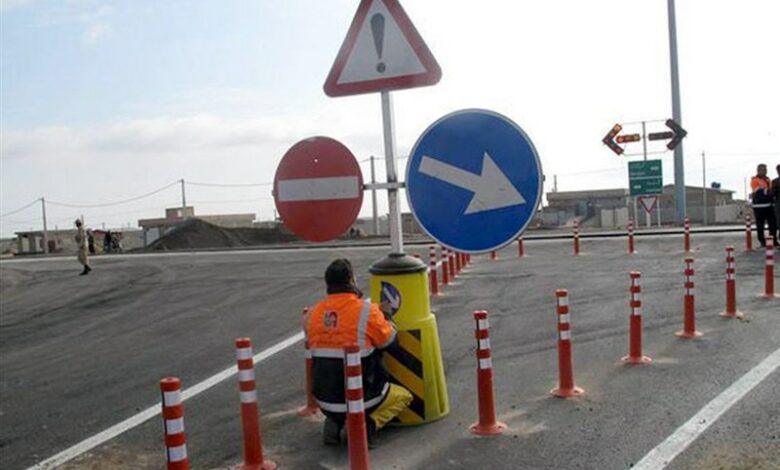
(645, 177)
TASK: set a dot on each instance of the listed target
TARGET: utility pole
(679, 166)
(45, 229)
(183, 201)
(373, 198)
(555, 183)
(704, 188)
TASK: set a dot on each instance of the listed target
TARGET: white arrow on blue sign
(474, 180)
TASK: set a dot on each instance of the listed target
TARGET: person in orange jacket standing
(763, 205)
(344, 318)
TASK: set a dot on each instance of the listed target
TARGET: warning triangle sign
(382, 51)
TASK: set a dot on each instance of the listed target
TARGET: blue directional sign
(474, 180)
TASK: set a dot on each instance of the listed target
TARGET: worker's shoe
(371, 433)
(86, 271)
(331, 432)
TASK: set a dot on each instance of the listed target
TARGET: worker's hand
(387, 309)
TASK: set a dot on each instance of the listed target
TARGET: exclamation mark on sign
(378, 31)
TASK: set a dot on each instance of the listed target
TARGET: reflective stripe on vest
(342, 407)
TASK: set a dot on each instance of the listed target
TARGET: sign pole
(396, 237)
(373, 197)
(644, 155)
(679, 166)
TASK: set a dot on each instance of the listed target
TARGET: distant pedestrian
(81, 246)
(776, 195)
(107, 242)
(763, 205)
(91, 242)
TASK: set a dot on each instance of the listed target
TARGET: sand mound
(197, 234)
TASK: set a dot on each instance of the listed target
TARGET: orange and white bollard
(451, 263)
(631, 249)
(173, 423)
(487, 424)
(250, 421)
(769, 268)
(311, 408)
(748, 234)
(687, 236)
(689, 307)
(566, 387)
(520, 248)
(445, 270)
(458, 263)
(576, 238)
(493, 255)
(731, 287)
(434, 273)
(357, 438)
(635, 355)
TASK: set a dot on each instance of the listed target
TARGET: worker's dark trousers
(765, 216)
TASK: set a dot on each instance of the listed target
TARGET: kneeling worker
(345, 318)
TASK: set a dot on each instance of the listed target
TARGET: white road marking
(675, 444)
(149, 413)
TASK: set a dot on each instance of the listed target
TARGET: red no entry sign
(318, 189)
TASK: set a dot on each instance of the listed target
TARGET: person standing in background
(776, 195)
(81, 246)
(763, 204)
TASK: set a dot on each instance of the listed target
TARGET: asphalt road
(80, 354)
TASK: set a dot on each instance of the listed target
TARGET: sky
(108, 101)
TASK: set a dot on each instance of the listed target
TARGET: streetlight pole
(183, 201)
(679, 166)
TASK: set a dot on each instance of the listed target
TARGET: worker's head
(78, 222)
(339, 277)
(761, 170)
(778, 170)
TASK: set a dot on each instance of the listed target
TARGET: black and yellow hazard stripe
(404, 363)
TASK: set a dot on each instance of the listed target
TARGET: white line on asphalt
(149, 413)
(680, 439)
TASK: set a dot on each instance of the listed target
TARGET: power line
(228, 185)
(115, 203)
(21, 208)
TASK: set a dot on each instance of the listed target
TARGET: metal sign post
(396, 237)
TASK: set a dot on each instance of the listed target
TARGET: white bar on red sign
(318, 189)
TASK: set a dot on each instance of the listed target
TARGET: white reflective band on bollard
(354, 383)
(174, 426)
(566, 335)
(245, 375)
(484, 344)
(178, 453)
(353, 359)
(483, 324)
(172, 398)
(486, 363)
(243, 353)
(249, 397)
(565, 318)
(355, 406)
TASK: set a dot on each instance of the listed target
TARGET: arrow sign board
(474, 181)
(382, 51)
(318, 189)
